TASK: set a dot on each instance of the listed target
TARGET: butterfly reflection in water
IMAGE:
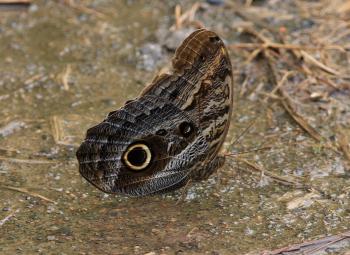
(171, 134)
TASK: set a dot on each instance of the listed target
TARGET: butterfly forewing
(172, 132)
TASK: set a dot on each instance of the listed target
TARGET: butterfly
(172, 132)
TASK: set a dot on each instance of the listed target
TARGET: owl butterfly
(171, 134)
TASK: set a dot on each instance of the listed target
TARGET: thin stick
(273, 176)
(244, 152)
(30, 193)
(177, 17)
(343, 141)
(332, 84)
(279, 84)
(84, 9)
(289, 62)
(287, 46)
(15, 1)
(318, 63)
(65, 75)
(55, 128)
(297, 248)
(244, 15)
(240, 136)
(2, 222)
(287, 105)
(27, 161)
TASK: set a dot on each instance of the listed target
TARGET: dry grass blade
(8, 150)
(345, 7)
(55, 128)
(84, 9)
(300, 120)
(187, 17)
(272, 45)
(30, 193)
(318, 63)
(2, 222)
(311, 247)
(246, 16)
(64, 77)
(332, 84)
(255, 53)
(15, 1)
(27, 161)
(269, 113)
(289, 62)
(178, 22)
(289, 108)
(273, 176)
(300, 201)
(11, 127)
(343, 141)
(279, 84)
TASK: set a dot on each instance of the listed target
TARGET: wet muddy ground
(62, 70)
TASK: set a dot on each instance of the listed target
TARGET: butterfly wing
(150, 145)
(203, 81)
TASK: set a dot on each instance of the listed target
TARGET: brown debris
(30, 193)
(27, 161)
(15, 1)
(58, 132)
(2, 222)
(311, 247)
(273, 176)
(343, 141)
(290, 108)
(84, 9)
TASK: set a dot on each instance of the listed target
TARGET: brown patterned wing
(203, 85)
(158, 142)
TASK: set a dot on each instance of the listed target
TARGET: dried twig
(2, 222)
(27, 161)
(318, 63)
(15, 1)
(11, 127)
(188, 16)
(84, 9)
(329, 82)
(311, 247)
(253, 18)
(343, 141)
(178, 22)
(273, 176)
(288, 106)
(30, 193)
(55, 128)
(8, 150)
(273, 45)
(65, 75)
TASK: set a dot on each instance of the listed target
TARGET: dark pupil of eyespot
(161, 132)
(137, 156)
(202, 57)
(186, 129)
(174, 94)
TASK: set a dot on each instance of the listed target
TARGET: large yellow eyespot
(137, 157)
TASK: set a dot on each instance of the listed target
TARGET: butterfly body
(172, 133)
